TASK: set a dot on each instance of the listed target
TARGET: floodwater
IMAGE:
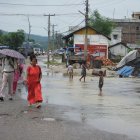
(117, 111)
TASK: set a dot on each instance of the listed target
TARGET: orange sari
(34, 86)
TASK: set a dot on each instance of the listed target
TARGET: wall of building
(89, 31)
(116, 35)
(136, 15)
(96, 43)
(119, 50)
(92, 39)
(130, 30)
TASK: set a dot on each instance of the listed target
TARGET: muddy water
(118, 110)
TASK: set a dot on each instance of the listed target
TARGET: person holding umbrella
(9, 64)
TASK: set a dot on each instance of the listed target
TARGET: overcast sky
(66, 11)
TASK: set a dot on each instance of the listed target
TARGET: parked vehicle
(37, 51)
(25, 51)
(4, 47)
(43, 52)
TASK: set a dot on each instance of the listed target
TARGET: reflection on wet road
(118, 110)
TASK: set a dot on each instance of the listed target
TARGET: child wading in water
(70, 71)
(83, 72)
(101, 82)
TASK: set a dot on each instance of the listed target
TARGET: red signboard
(92, 49)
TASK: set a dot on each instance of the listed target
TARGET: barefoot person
(101, 82)
(34, 76)
(70, 71)
(83, 72)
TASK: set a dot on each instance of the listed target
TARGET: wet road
(118, 110)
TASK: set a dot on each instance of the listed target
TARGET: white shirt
(70, 68)
(6, 66)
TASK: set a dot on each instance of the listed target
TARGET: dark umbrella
(12, 53)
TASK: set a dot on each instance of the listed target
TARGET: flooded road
(117, 111)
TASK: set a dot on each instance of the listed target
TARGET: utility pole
(49, 35)
(29, 29)
(56, 37)
(27, 46)
(53, 37)
(53, 40)
(86, 30)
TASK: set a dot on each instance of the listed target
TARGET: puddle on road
(117, 126)
(118, 105)
(25, 112)
(49, 119)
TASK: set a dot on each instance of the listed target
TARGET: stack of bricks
(106, 62)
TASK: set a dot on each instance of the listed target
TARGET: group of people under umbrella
(12, 68)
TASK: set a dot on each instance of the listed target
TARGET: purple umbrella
(12, 53)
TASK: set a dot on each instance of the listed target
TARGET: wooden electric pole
(49, 25)
(53, 41)
(86, 30)
(53, 36)
(29, 29)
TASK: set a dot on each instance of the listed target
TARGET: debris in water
(48, 119)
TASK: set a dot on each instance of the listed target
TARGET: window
(88, 41)
(115, 37)
(137, 28)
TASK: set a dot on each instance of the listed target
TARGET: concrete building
(130, 29)
(116, 35)
(136, 15)
(118, 50)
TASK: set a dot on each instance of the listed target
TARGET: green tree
(4, 39)
(100, 23)
(1, 32)
(16, 39)
(13, 39)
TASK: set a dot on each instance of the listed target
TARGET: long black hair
(32, 57)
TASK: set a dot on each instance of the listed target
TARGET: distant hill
(39, 39)
(42, 40)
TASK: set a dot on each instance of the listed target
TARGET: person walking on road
(17, 75)
(83, 72)
(33, 79)
(70, 71)
(9, 65)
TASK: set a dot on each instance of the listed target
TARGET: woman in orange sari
(34, 76)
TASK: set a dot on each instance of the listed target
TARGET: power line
(67, 14)
(7, 14)
(15, 4)
(75, 26)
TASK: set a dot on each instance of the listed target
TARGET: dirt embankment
(77, 70)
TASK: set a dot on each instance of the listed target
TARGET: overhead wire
(67, 21)
(75, 26)
(65, 14)
(41, 15)
(44, 5)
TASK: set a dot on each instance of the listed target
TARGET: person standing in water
(83, 72)
(101, 82)
(70, 71)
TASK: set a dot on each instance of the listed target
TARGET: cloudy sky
(13, 13)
